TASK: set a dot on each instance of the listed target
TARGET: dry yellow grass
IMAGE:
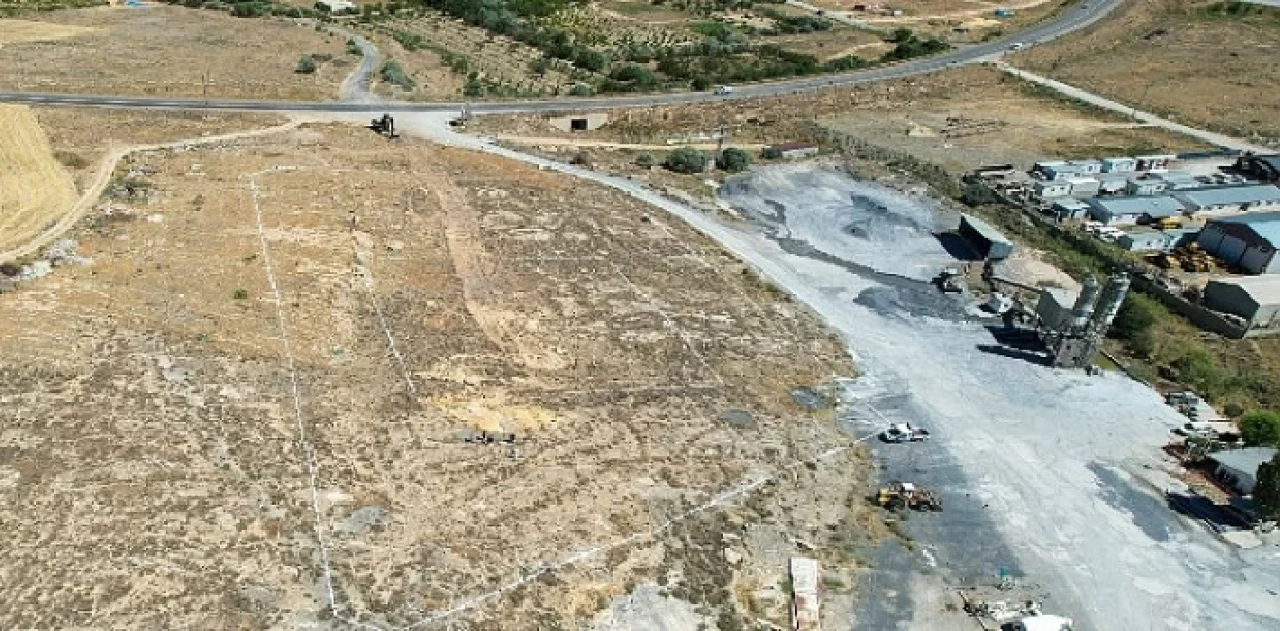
(19, 31)
(34, 188)
(1171, 58)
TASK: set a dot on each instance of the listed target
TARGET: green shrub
(645, 160)
(733, 160)
(392, 73)
(306, 65)
(580, 89)
(1261, 427)
(240, 294)
(686, 160)
(771, 153)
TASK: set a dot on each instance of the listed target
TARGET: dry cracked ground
(252, 400)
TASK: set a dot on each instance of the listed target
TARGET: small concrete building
(1112, 183)
(1052, 189)
(1127, 211)
(1239, 467)
(1070, 208)
(1248, 241)
(1145, 186)
(336, 7)
(1254, 298)
(794, 150)
(1148, 240)
(1059, 170)
(579, 122)
(989, 242)
(1231, 199)
(1177, 180)
(1083, 186)
(1054, 308)
(1118, 165)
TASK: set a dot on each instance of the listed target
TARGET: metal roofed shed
(1128, 210)
(1232, 198)
(1240, 466)
(989, 242)
(1249, 241)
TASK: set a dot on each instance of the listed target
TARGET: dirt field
(169, 51)
(267, 370)
(34, 187)
(1164, 56)
(82, 136)
(994, 119)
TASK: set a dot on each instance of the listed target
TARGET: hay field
(35, 189)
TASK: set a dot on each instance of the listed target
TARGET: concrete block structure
(1248, 241)
(579, 122)
(1254, 298)
(988, 241)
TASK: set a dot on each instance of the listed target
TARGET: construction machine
(386, 125)
(900, 495)
(904, 433)
(950, 280)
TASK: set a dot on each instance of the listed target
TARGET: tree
(1261, 427)
(900, 35)
(1266, 494)
(306, 65)
(733, 160)
(686, 160)
(977, 194)
(1135, 322)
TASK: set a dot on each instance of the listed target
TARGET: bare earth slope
(251, 403)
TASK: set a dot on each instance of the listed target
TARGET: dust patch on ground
(34, 188)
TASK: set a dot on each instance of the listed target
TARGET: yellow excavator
(900, 495)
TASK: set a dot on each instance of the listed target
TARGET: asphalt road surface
(1068, 20)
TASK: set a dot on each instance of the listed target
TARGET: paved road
(1068, 20)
